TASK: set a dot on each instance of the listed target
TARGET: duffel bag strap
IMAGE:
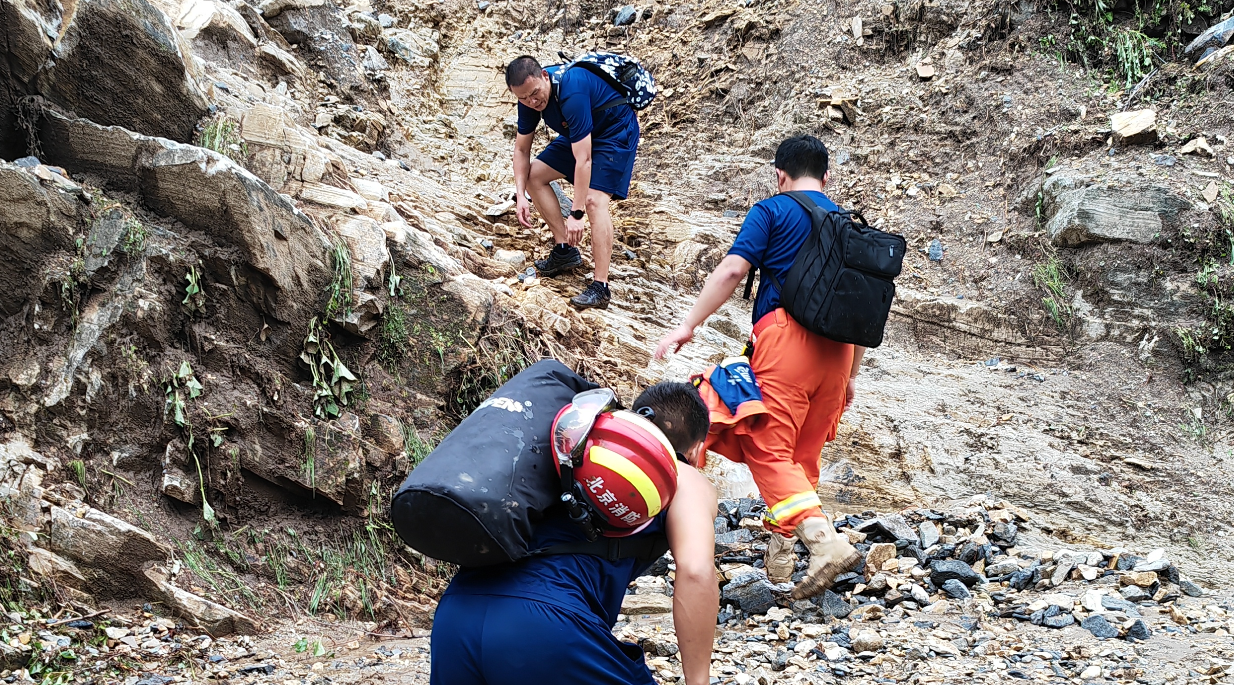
(645, 548)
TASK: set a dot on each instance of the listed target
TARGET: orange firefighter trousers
(803, 378)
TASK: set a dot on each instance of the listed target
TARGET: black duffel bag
(476, 498)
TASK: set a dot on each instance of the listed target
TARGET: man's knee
(542, 174)
(597, 201)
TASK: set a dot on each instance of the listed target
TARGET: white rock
(1091, 672)
(1155, 555)
(515, 258)
(779, 614)
(867, 641)
(1088, 572)
(371, 190)
(1060, 600)
(804, 646)
(836, 653)
(114, 633)
(1092, 600)
(331, 196)
(812, 630)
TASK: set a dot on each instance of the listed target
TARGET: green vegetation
(223, 136)
(341, 284)
(393, 343)
(194, 299)
(309, 464)
(78, 467)
(1050, 276)
(135, 234)
(332, 380)
(415, 447)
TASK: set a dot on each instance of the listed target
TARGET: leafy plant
(194, 300)
(1133, 57)
(332, 380)
(78, 467)
(176, 387)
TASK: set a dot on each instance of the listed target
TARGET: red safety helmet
(627, 473)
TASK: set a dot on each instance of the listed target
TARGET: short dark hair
(802, 155)
(680, 413)
(521, 69)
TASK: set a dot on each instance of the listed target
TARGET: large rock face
(1081, 212)
(117, 62)
(36, 224)
(203, 190)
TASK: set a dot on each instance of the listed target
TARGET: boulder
(110, 553)
(216, 619)
(214, 20)
(637, 605)
(418, 48)
(367, 241)
(1080, 213)
(1216, 36)
(38, 223)
(1134, 128)
(280, 264)
(320, 30)
(116, 62)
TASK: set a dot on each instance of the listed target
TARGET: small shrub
(223, 136)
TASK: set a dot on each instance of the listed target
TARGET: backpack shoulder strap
(807, 203)
(645, 548)
(749, 284)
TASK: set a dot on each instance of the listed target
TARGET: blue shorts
(495, 640)
(612, 161)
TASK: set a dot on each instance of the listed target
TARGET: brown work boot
(780, 560)
(830, 555)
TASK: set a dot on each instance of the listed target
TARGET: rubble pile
(964, 582)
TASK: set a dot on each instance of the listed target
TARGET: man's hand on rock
(522, 209)
(574, 230)
(673, 342)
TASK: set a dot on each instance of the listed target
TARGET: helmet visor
(570, 433)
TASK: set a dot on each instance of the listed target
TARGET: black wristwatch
(578, 214)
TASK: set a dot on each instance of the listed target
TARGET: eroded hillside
(242, 299)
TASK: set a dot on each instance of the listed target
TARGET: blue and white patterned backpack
(625, 74)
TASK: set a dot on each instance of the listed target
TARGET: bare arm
(858, 353)
(719, 287)
(696, 595)
(522, 172)
(582, 186)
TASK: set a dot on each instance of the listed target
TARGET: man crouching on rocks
(594, 152)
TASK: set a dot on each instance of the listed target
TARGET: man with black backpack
(806, 380)
(598, 137)
(551, 511)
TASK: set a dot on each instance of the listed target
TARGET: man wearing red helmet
(548, 618)
(806, 381)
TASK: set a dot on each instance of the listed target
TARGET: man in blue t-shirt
(806, 380)
(594, 151)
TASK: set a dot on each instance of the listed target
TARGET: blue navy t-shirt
(569, 112)
(772, 233)
(581, 583)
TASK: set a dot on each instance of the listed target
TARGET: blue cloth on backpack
(734, 383)
(772, 233)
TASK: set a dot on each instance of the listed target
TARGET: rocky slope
(257, 255)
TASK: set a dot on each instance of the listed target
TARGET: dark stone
(846, 580)
(726, 614)
(625, 16)
(943, 570)
(842, 640)
(915, 551)
(732, 214)
(1189, 588)
(956, 590)
(659, 567)
(316, 31)
(1134, 593)
(1165, 160)
(1119, 604)
(1215, 37)
(1139, 631)
(749, 508)
(267, 669)
(892, 527)
(936, 250)
(780, 661)
(895, 597)
(970, 553)
(1037, 617)
(1172, 574)
(80, 624)
(1059, 620)
(945, 551)
(1126, 562)
(1004, 533)
(833, 605)
(721, 525)
(752, 592)
(733, 540)
(1021, 579)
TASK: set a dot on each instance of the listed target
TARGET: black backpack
(840, 285)
(476, 498)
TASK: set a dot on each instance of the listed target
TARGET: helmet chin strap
(575, 509)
